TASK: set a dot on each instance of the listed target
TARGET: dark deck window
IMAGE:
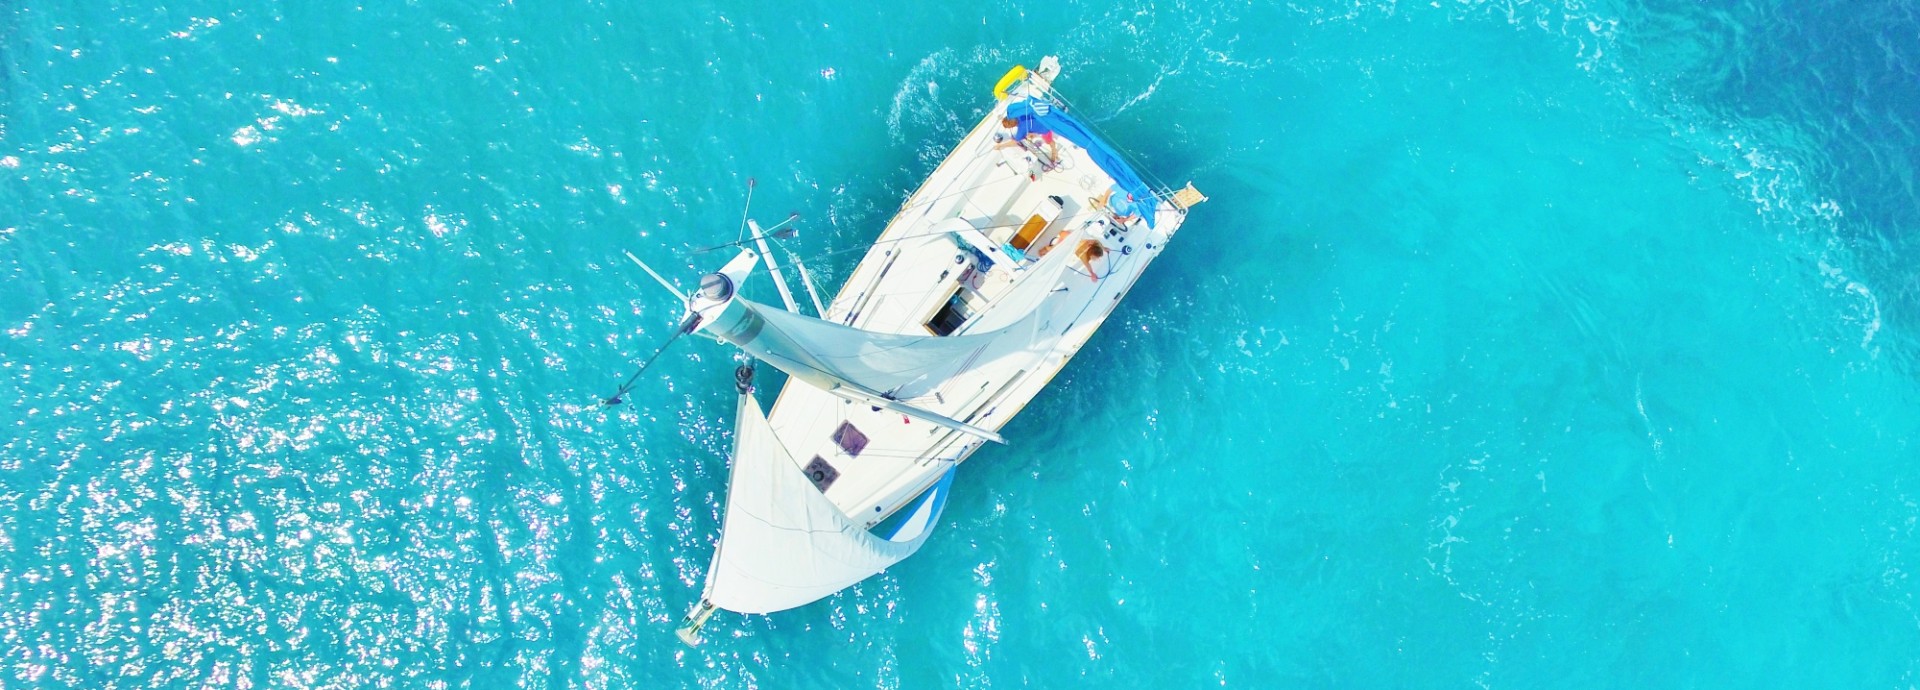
(850, 439)
(951, 315)
(822, 473)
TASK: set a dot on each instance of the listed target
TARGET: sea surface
(1523, 344)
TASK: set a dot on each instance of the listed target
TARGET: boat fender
(1013, 76)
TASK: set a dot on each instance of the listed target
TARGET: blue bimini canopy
(1042, 117)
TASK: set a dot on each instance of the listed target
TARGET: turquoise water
(1529, 344)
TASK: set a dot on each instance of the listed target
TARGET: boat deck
(942, 266)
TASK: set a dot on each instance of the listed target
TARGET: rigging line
(745, 209)
(1083, 213)
(615, 399)
(870, 453)
(1012, 175)
(838, 376)
(1136, 162)
(975, 156)
(1070, 105)
(872, 349)
(876, 243)
(997, 226)
(945, 195)
(806, 277)
(1139, 165)
(803, 365)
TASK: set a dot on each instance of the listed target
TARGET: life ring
(1012, 77)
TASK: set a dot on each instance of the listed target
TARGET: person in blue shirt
(1031, 133)
(1117, 202)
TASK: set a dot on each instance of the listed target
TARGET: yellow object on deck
(1012, 77)
(1028, 232)
(1187, 198)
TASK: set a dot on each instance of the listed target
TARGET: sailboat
(992, 275)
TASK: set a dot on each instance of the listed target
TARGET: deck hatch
(951, 315)
(821, 473)
(849, 439)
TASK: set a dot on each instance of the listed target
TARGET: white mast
(779, 281)
(806, 279)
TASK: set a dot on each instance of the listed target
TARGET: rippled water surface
(1523, 344)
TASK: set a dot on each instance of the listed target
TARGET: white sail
(783, 543)
(878, 362)
(1028, 311)
(898, 366)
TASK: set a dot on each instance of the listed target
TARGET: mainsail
(898, 366)
(887, 363)
(783, 543)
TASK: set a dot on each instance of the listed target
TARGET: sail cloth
(1041, 116)
(1024, 315)
(783, 543)
(828, 355)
